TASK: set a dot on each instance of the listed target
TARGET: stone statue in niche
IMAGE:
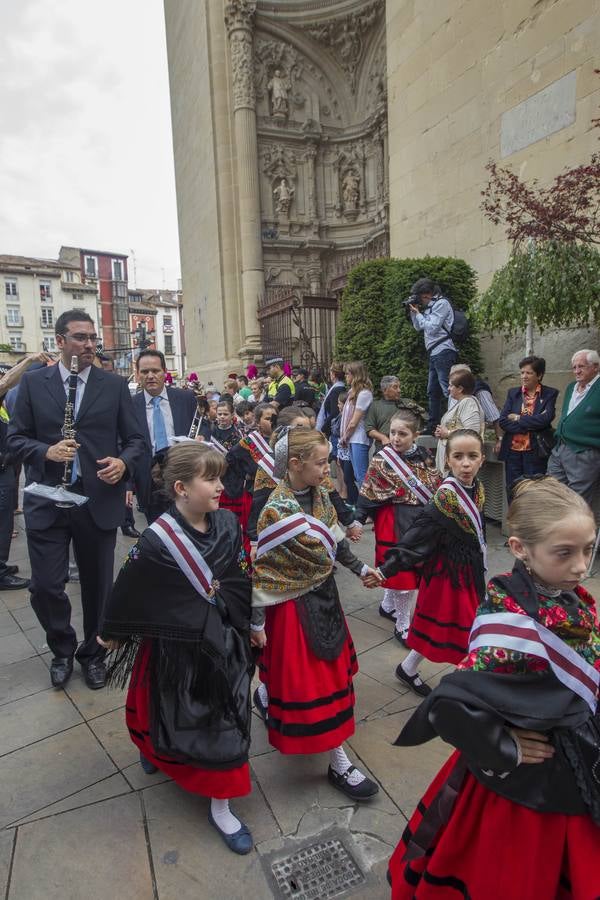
(351, 190)
(283, 195)
(278, 88)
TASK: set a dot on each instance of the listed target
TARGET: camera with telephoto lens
(413, 300)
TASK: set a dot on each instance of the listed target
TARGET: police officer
(282, 389)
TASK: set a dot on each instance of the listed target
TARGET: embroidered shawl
(383, 485)
(446, 502)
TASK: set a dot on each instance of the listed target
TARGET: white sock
(412, 663)
(387, 604)
(403, 602)
(263, 694)
(340, 763)
(224, 818)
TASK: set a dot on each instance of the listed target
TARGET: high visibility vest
(275, 385)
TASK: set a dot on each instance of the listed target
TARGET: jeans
(8, 491)
(349, 481)
(519, 463)
(437, 383)
(359, 454)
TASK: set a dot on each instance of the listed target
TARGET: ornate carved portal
(314, 76)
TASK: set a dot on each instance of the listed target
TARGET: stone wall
(458, 72)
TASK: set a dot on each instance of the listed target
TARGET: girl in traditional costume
(400, 480)
(515, 812)
(179, 615)
(308, 658)
(244, 459)
(446, 545)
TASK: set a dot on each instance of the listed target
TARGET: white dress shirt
(165, 408)
(577, 396)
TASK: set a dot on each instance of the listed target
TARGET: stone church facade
(312, 134)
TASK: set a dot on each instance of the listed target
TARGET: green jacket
(581, 429)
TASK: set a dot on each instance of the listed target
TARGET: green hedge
(375, 327)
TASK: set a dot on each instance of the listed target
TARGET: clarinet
(68, 428)
(193, 432)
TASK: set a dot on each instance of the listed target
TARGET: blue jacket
(541, 418)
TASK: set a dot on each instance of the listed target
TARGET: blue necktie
(158, 424)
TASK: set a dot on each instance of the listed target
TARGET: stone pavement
(79, 818)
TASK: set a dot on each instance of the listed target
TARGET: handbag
(545, 442)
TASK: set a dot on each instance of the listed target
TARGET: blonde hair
(538, 504)
(185, 461)
(303, 440)
(361, 380)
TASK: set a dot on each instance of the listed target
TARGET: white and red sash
(217, 445)
(406, 474)
(514, 631)
(469, 508)
(292, 526)
(266, 461)
(186, 555)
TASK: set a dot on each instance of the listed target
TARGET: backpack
(460, 326)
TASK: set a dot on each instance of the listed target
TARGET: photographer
(432, 314)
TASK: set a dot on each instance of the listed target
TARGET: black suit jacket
(105, 426)
(541, 418)
(183, 408)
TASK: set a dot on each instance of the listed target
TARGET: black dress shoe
(12, 570)
(362, 791)
(61, 669)
(13, 583)
(94, 673)
(401, 637)
(131, 532)
(414, 682)
(387, 614)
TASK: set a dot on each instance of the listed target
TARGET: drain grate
(317, 872)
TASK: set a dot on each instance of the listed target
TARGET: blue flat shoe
(260, 707)
(239, 842)
(148, 767)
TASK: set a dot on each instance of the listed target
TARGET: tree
(375, 327)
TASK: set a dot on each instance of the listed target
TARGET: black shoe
(131, 532)
(61, 669)
(260, 706)
(148, 767)
(362, 791)
(401, 637)
(12, 570)
(413, 681)
(13, 583)
(387, 615)
(94, 673)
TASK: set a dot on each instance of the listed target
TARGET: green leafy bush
(375, 327)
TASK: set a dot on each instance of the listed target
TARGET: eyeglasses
(82, 338)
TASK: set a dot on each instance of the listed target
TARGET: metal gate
(299, 327)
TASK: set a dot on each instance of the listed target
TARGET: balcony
(18, 348)
(14, 321)
(45, 323)
(168, 329)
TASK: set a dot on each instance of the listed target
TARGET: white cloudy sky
(85, 151)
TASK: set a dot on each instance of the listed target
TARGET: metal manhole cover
(317, 872)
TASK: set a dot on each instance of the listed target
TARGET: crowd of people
(244, 516)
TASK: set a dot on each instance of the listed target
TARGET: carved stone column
(239, 15)
(311, 185)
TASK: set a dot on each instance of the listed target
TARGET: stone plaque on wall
(537, 117)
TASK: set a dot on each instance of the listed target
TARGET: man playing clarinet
(96, 464)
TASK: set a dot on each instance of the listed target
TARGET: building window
(10, 287)
(13, 316)
(16, 342)
(46, 291)
(49, 342)
(117, 269)
(47, 318)
(120, 291)
(91, 267)
(69, 275)
(169, 351)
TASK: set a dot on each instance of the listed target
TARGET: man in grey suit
(104, 456)
(162, 413)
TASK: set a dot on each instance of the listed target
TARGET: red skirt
(385, 539)
(241, 506)
(311, 700)
(494, 849)
(208, 782)
(442, 621)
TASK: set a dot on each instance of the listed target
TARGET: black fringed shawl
(153, 599)
(442, 541)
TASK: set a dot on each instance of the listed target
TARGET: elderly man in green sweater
(379, 415)
(575, 460)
